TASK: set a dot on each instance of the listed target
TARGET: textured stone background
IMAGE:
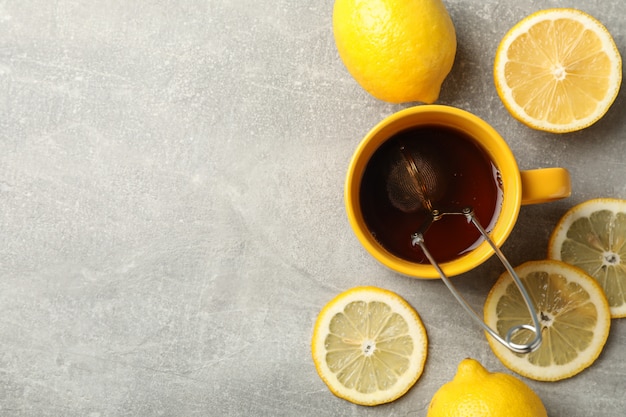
(171, 213)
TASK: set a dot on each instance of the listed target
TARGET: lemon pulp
(369, 345)
(592, 236)
(573, 312)
(558, 70)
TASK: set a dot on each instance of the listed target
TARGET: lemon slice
(573, 312)
(558, 70)
(592, 236)
(369, 346)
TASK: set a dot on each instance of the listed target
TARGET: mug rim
(490, 141)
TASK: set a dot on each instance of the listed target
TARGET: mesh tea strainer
(417, 179)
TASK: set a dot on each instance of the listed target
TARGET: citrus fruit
(369, 346)
(476, 392)
(397, 50)
(573, 313)
(592, 236)
(558, 70)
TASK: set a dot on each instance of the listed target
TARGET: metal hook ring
(522, 348)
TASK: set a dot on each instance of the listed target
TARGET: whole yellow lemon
(397, 50)
(476, 392)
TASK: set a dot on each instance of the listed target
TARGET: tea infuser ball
(417, 177)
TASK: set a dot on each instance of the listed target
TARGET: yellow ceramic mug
(518, 187)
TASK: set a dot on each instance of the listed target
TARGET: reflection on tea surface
(472, 180)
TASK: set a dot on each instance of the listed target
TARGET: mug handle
(544, 185)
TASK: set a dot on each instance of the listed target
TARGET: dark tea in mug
(472, 180)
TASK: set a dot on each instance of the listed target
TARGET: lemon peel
(397, 50)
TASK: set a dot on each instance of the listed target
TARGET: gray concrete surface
(171, 213)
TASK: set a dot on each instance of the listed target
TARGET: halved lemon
(573, 312)
(369, 346)
(558, 70)
(592, 236)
